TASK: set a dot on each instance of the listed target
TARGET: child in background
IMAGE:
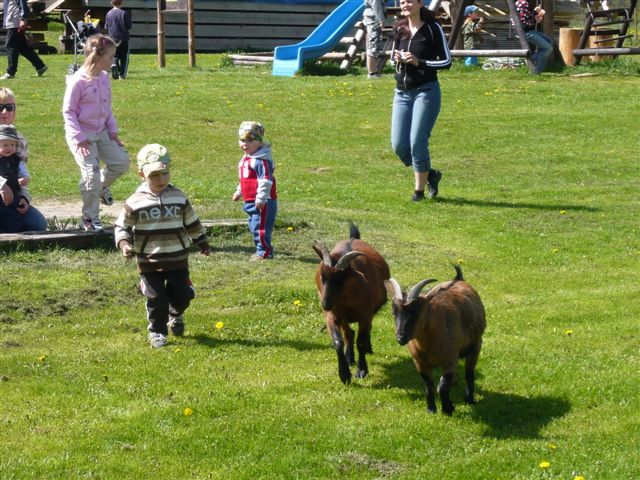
(471, 32)
(257, 187)
(16, 214)
(91, 131)
(118, 24)
(157, 225)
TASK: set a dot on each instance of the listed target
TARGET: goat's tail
(354, 233)
(458, 273)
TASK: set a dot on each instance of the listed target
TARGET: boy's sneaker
(176, 325)
(40, 71)
(417, 195)
(157, 340)
(114, 72)
(92, 225)
(7, 76)
(105, 196)
(433, 179)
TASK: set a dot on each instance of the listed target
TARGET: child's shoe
(157, 340)
(417, 195)
(105, 196)
(176, 325)
(114, 72)
(92, 225)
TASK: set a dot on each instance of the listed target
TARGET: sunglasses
(9, 107)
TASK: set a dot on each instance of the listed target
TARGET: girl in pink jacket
(91, 131)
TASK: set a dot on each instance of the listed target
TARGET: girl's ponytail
(95, 48)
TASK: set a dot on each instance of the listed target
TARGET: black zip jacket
(429, 45)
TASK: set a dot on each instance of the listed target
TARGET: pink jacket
(86, 108)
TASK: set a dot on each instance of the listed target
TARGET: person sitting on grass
(257, 187)
(157, 225)
(8, 111)
(16, 214)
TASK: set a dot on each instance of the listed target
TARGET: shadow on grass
(535, 206)
(243, 342)
(505, 415)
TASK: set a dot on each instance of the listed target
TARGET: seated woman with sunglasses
(19, 216)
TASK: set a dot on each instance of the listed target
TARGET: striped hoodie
(160, 227)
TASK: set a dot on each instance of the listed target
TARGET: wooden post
(547, 20)
(513, 15)
(568, 41)
(160, 35)
(192, 34)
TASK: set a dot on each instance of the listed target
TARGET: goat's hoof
(361, 373)
(345, 377)
(448, 411)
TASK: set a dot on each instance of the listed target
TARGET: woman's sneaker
(105, 196)
(157, 340)
(433, 179)
(176, 325)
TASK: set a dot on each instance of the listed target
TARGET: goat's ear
(393, 289)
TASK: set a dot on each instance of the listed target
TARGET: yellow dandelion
(42, 358)
(289, 229)
(568, 332)
(219, 325)
(187, 412)
(578, 477)
(297, 303)
(563, 212)
(553, 446)
(177, 349)
(544, 464)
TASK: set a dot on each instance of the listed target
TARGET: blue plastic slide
(287, 59)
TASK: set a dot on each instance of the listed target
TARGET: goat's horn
(415, 290)
(323, 252)
(345, 260)
(393, 289)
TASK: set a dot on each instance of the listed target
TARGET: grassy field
(539, 204)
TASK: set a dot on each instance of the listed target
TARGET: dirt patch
(63, 210)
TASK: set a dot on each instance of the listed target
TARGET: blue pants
(544, 49)
(261, 226)
(412, 119)
(13, 222)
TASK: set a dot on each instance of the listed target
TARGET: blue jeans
(544, 49)
(261, 226)
(13, 222)
(412, 119)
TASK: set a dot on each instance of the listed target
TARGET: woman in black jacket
(419, 50)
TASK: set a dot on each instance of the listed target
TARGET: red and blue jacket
(255, 172)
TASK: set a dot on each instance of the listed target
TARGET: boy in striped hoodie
(157, 225)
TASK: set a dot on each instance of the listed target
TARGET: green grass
(538, 203)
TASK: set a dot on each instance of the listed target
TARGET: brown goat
(439, 327)
(350, 282)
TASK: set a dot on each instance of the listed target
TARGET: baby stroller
(82, 30)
